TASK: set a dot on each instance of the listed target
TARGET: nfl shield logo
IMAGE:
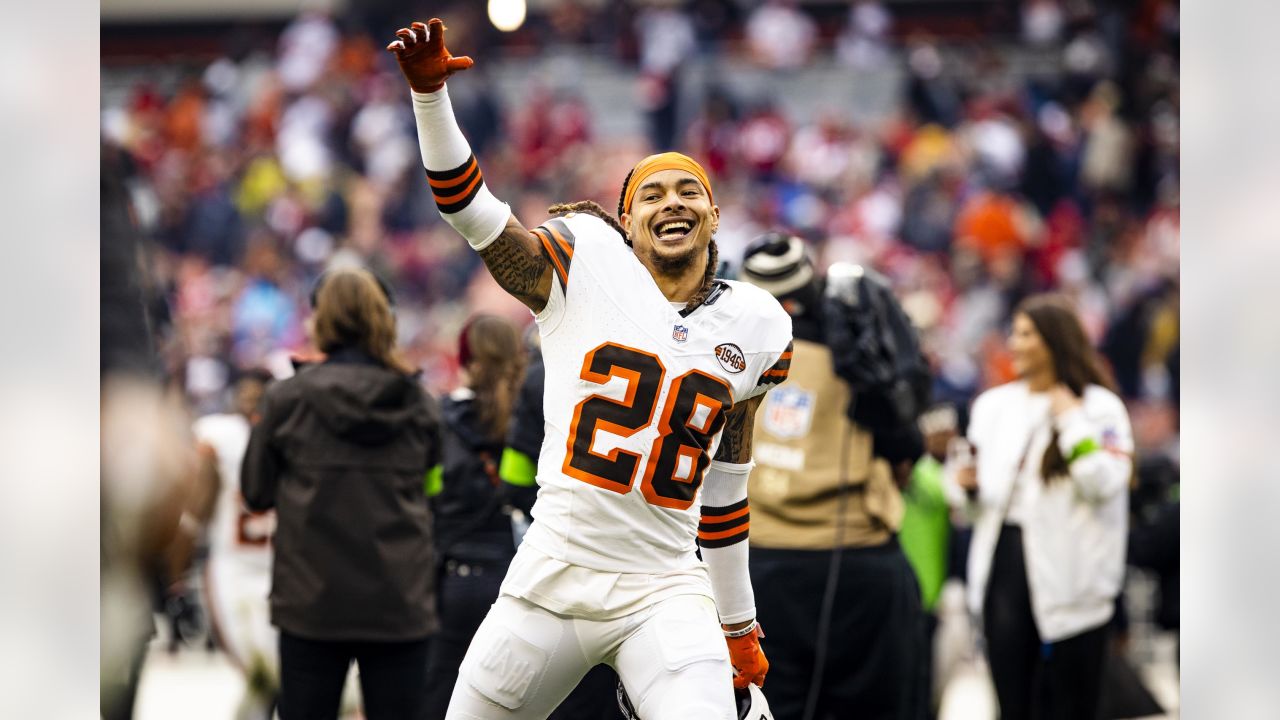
(680, 333)
(788, 412)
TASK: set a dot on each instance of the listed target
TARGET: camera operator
(834, 589)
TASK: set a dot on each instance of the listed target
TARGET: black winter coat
(341, 453)
(471, 526)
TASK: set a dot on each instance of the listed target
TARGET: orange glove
(749, 662)
(424, 60)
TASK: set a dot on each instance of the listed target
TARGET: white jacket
(1073, 531)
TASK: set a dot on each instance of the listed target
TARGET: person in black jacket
(341, 453)
(473, 526)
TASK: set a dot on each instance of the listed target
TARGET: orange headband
(659, 162)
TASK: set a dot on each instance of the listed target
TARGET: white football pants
(524, 661)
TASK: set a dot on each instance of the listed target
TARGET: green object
(517, 469)
(926, 529)
(1082, 448)
(434, 483)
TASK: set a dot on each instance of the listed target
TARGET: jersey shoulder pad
(770, 328)
(769, 322)
(563, 236)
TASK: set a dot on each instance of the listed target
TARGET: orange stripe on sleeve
(564, 245)
(555, 261)
(453, 182)
(447, 199)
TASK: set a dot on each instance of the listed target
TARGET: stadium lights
(507, 15)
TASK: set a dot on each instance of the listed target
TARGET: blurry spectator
(1107, 165)
(185, 115)
(545, 132)
(355, 431)
(832, 583)
(1042, 21)
(780, 35)
(1086, 59)
(763, 140)
(995, 226)
(931, 95)
(306, 46)
(864, 41)
(1141, 339)
(263, 317)
(929, 211)
(926, 523)
(212, 227)
(302, 139)
(713, 133)
(379, 134)
(821, 154)
(1154, 545)
(996, 140)
(716, 22)
(1046, 176)
(1050, 483)
(474, 541)
(666, 35)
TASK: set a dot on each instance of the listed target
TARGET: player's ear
(715, 218)
(625, 218)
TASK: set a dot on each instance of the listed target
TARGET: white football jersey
(234, 532)
(635, 399)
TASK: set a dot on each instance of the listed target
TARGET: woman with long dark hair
(340, 453)
(473, 529)
(1050, 479)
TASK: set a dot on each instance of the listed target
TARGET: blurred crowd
(983, 184)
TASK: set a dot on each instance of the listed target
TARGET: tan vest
(799, 434)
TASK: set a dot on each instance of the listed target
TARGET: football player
(237, 576)
(654, 370)
(238, 573)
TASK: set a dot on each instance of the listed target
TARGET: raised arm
(513, 255)
(517, 262)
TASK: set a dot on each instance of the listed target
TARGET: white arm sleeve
(453, 173)
(722, 534)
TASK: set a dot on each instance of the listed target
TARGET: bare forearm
(735, 439)
(516, 261)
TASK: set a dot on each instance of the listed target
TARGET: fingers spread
(395, 46)
(408, 37)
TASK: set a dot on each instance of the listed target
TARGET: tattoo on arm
(517, 262)
(735, 440)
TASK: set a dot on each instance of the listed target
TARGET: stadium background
(973, 150)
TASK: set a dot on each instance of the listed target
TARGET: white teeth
(673, 226)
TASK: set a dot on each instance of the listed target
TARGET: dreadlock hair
(588, 206)
(591, 208)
